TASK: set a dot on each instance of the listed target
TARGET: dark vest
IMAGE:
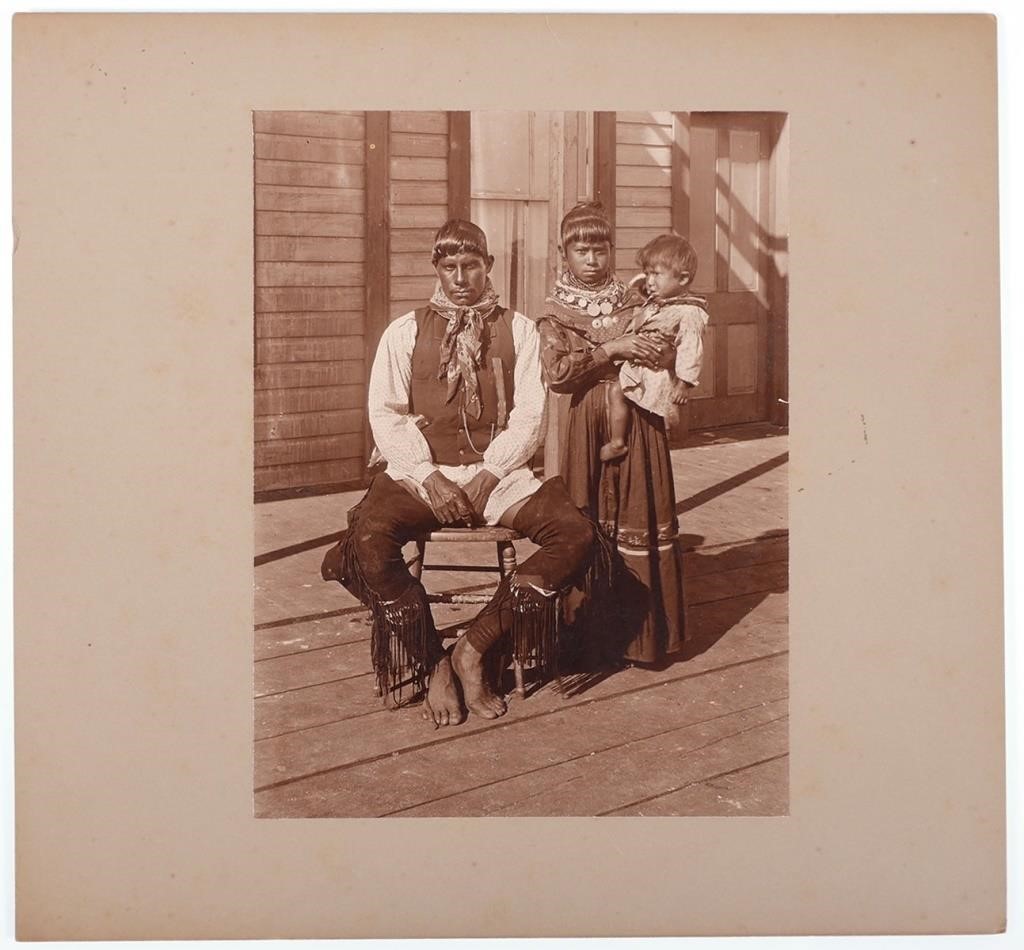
(444, 430)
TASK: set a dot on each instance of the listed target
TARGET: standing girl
(632, 498)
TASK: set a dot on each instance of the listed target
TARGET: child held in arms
(671, 317)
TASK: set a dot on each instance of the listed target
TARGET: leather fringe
(536, 618)
(535, 629)
(402, 635)
(403, 629)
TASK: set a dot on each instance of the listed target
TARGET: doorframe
(604, 163)
(378, 244)
(458, 165)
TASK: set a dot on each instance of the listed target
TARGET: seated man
(456, 405)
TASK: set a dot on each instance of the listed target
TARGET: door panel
(703, 209)
(734, 380)
(729, 155)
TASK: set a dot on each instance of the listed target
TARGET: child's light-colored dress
(681, 322)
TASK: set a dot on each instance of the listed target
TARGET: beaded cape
(598, 314)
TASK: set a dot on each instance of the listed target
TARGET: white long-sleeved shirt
(404, 447)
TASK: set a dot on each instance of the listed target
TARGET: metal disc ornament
(606, 307)
(594, 310)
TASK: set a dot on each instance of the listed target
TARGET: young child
(673, 318)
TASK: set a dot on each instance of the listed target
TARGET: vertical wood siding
(310, 299)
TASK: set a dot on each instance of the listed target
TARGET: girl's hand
(666, 357)
(639, 284)
(634, 348)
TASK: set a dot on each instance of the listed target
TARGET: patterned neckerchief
(462, 345)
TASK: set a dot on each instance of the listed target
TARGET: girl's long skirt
(634, 502)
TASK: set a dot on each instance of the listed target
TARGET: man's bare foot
(612, 451)
(441, 705)
(468, 665)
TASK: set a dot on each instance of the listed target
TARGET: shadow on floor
(728, 484)
(717, 620)
(727, 435)
(321, 542)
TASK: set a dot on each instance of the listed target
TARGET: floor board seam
(707, 745)
(296, 689)
(292, 732)
(584, 755)
(700, 781)
(506, 724)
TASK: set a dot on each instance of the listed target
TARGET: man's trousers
(405, 644)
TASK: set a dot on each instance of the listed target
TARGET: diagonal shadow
(718, 617)
(708, 494)
(298, 548)
(730, 435)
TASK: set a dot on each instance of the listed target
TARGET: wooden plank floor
(706, 735)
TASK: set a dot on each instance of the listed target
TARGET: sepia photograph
(394, 441)
(521, 407)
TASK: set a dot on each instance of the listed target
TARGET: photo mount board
(133, 399)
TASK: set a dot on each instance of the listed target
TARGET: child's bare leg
(618, 424)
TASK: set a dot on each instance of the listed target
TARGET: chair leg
(416, 564)
(520, 687)
(506, 558)
(506, 566)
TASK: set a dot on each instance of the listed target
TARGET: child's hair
(587, 223)
(458, 237)
(669, 250)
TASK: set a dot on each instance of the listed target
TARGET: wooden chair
(502, 539)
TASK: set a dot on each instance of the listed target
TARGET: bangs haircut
(587, 223)
(671, 251)
(458, 237)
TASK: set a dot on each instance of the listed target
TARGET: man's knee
(374, 546)
(577, 537)
(552, 520)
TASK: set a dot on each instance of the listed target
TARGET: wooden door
(729, 157)
(519, 173)
(526, 170)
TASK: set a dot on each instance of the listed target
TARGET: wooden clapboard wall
(310, 298)
(347, 204)
(418, 203)
(428, 182)
(643, 183)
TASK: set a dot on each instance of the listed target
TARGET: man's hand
(449, 502)
(479, 489)
(680, 392)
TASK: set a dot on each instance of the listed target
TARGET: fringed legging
(368, 562)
